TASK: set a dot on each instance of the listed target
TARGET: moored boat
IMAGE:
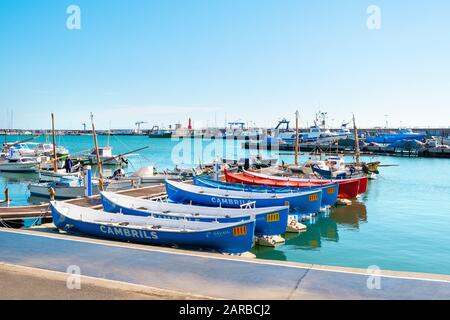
(269, 221)
(348, 188)
(65, 188)
(232, 238)
(51, 175)
(19, 164)
(307, 201)
(329, 192)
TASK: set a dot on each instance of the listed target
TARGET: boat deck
(207, 274)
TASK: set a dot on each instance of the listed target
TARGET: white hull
(446, 141)
(60, 192)
(18, 167)
(51, 176)
(106, 161)
(158, 179)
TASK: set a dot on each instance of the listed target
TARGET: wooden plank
(93, 202)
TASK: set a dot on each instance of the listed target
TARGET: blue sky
(162, 61)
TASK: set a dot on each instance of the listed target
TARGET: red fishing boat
(362, 188)
(348, 188)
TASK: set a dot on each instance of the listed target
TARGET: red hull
(362, 182)
(348, 189)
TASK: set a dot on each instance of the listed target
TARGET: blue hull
(236, 239)
(327, 174)
(391, 138)
(303, 203)
(267, 224)
(329, 192)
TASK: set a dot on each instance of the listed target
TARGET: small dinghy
(329, 192)
(19, 164)
(68, 187)
(307, 201)
(233, 238)
(52, 176)
(269, 221)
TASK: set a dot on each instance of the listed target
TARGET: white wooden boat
(66, 188)
(19, 164)
(70, 187)
(148, 176)
(50, 175)
(106, 157)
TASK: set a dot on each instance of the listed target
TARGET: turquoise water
(401, 223)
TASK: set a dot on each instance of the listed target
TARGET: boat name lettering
(130, 233)
(228, 201)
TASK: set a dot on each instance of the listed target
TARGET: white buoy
(344, 202)
(270, 241)
(294, 226)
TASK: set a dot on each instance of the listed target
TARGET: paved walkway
(208, 274)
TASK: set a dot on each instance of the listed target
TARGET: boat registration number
(331, 190)
(239, 231)
(273, 217)
(314, 197)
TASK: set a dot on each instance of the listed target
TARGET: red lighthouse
(190, 124)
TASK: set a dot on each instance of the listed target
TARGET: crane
(138, 124)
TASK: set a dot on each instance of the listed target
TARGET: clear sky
(162, 61)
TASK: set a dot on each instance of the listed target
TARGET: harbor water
(402, 222)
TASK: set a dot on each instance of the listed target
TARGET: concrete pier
(204, 274)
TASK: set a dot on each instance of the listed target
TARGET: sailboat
(105, 155)
(50, 170)
(19, 164)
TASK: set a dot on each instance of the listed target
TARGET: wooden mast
(55, 162)
(296, 138)
(99, 163)
(357, 151)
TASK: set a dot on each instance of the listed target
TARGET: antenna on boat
(357, 151)
(55, 162)
(99, 163)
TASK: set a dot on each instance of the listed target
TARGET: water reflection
(269, 253)
(350, 216)
(325, 226)
(17, 183)
(13, 177)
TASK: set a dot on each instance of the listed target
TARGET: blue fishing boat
(402, 134)
(329, 192)
(236, 237)
(302, 202)
(269, 221)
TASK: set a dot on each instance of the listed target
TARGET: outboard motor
(118, 173)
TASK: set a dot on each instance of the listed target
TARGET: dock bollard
(88, 181)
(216, 169)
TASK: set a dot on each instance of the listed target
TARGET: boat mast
(357, 151)
(109, 132)
(99, 164)
(296, 138)
(55, 162)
